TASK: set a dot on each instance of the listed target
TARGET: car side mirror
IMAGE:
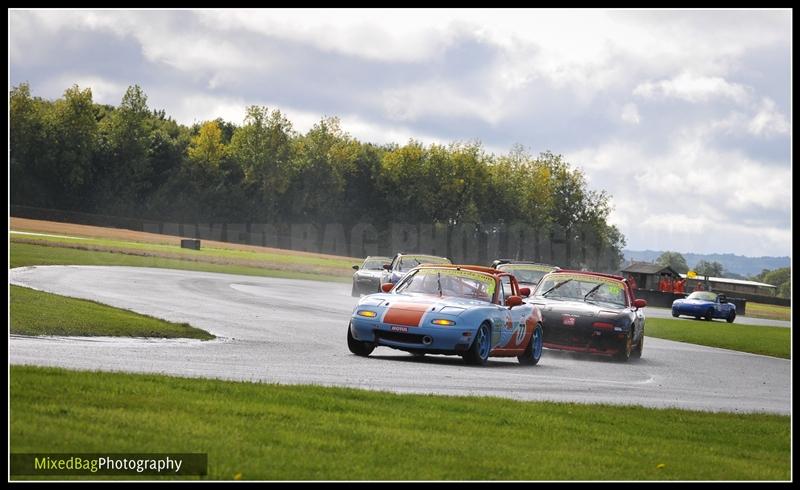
(639, 303)
(524, 292)
(388, 267)
(355, 267)
(513, 301)
(386, 287)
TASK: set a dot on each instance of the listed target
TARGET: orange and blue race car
(472, 311)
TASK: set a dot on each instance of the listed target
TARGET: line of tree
(73, 154)
(780, 278)
(674, 260)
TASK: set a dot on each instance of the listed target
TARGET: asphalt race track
(293, 331)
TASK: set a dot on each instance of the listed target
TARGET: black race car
(590, 312)
(527, 273)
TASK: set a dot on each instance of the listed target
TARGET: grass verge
(756, 339)
(770, 312)
(26, 254)
(38, 313)
(239, 257)
(273, 432)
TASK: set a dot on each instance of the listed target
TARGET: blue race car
(705, 304)
(471, 311)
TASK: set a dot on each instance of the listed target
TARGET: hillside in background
(737, 264)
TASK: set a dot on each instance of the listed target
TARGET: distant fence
(759, 298)
(466, 243)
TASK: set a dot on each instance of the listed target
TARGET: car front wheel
(478, 353)
(357, 347)
(731, 317)
(533, 352)
(637, 351)
(626, 349)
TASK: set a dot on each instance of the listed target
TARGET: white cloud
(388, 35)
(104, 91)
(768, 121)
(705, 199)
(163, 38)
(376, 132)
(437, 99)
(630, 114)
(693, 88)
(199, 107)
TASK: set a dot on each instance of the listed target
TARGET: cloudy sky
(684, 117)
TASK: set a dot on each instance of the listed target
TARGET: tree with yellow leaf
(206, 149)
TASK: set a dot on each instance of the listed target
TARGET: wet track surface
(293, 331)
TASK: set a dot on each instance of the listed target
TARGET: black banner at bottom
(109, 463)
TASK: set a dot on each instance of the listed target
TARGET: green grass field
(770, 312)
(194, 255)
(38, 313)
(770, 341)
(272, 432)
(25, 254)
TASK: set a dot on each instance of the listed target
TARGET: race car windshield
(449, 283)
(703, 295)
(586, 289)
(525, 275)
(374, 264)
(408, 262)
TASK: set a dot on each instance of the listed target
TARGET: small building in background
(644, 275)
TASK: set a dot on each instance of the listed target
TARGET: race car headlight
(367, 313)
(443, 322)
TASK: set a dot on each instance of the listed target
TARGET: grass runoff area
(770, 312)
(273, 432)
(26, 254)
(128, 247)
(38, 313)
(770, 341)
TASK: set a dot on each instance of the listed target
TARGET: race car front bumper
(433, 339)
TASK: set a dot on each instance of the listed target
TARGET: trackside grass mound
(39, 313)
(26, 254)
(756, 339)
(771, 312)
(128, 247)
(273, 432)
